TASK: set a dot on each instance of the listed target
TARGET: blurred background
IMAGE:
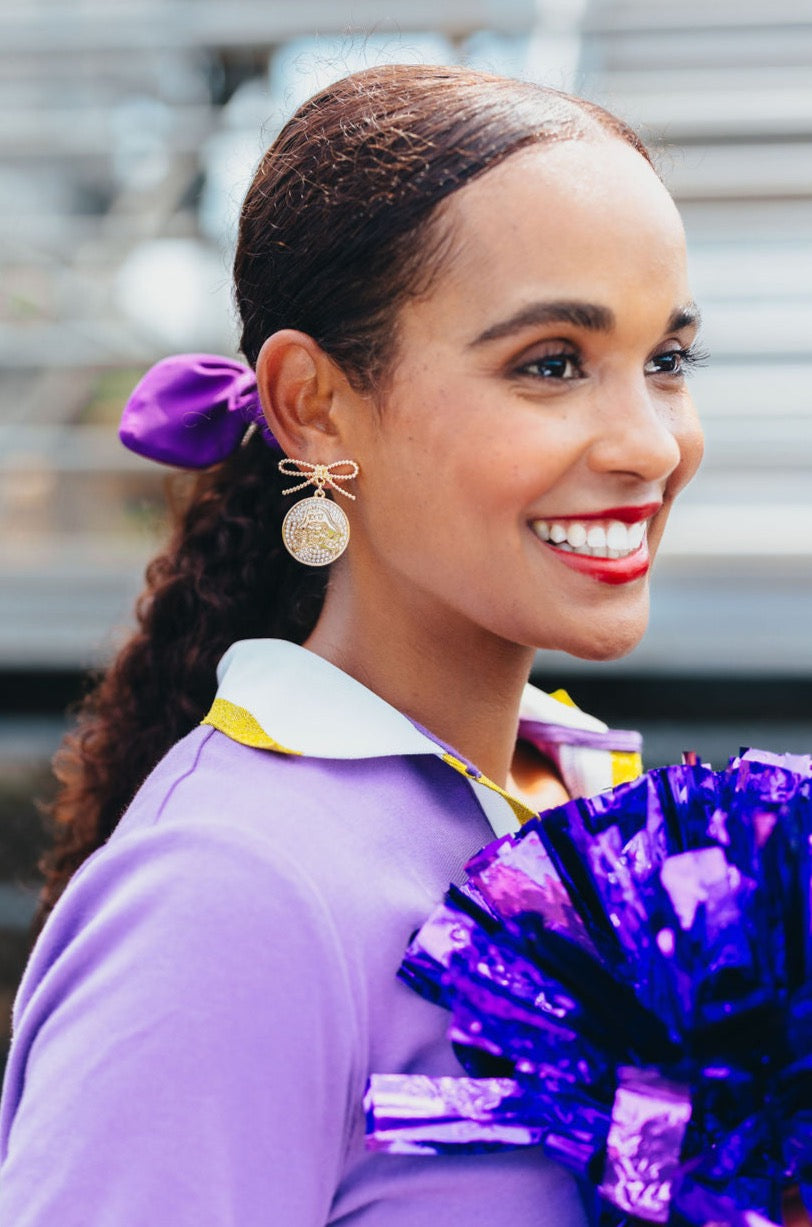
(131, 129)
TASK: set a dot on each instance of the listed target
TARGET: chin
(614, 651)
(609, 640)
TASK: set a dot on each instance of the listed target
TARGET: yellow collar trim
(523, 812)
(238, 724)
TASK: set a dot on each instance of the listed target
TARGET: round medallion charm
(316, 531)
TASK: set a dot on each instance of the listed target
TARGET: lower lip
(607, 570)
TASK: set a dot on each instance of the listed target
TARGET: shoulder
(186, 922)
(210, 791)
(189, 888)
(182, 901)
(328, 817)
(198, 775)
(208, 774)
(183, 996)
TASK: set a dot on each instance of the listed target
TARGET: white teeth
(609, 539)
(617, 536)
(636, 534)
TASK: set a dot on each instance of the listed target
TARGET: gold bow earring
(316, 530)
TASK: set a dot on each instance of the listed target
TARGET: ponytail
(225, 575)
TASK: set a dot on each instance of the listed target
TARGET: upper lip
(626, 515)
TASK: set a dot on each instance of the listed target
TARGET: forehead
(585, 219)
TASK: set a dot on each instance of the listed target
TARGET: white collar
(275, 695)
(306, 705)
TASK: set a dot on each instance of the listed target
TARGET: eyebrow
(591, 316)
(688, 316)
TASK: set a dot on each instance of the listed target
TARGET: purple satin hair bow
(192, 410)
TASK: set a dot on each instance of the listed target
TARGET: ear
(301, 390)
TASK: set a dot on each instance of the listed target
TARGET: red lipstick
(626, 515)
(607, 570)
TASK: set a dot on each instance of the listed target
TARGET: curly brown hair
(341, 225)
(223, 576)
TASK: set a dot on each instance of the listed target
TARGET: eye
(674, 361)
(562, 365)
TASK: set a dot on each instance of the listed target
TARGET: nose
(644, 435)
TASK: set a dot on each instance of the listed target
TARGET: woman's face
(538, 424)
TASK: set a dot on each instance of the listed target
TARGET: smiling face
(537, 425)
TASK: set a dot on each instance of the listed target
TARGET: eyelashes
(694, 356)
(688, 359)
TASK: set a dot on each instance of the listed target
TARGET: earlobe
(297, 384)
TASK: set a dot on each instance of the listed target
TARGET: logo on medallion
(316, 531)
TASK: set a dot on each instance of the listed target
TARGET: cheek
(691, 442)
(443, 460)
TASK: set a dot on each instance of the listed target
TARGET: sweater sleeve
(185, 1048)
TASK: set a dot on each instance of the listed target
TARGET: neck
(460, 682)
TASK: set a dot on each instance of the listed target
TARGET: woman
(466, 304)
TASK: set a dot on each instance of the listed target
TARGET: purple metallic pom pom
(629, 981)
